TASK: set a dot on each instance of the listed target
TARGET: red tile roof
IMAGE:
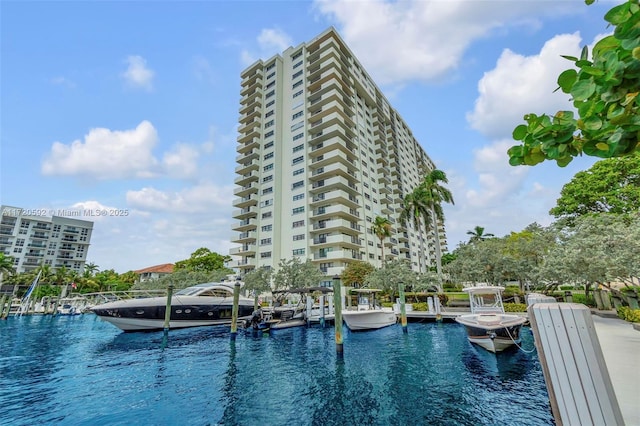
(165, 268)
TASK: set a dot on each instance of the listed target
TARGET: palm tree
(436, 195)
(478, 234)
(415, 207)
(382, 228)
(90, 269)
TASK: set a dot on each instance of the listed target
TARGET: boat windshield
(189, 291)
(203, 291)
(486, 302)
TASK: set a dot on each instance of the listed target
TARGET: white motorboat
(199, 305)
(368, 315)
(488, 326)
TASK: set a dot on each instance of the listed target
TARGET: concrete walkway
(621, 348)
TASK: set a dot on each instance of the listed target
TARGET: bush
(515, 307)
(628, 314)
(581, 298)
(422, 306)
(566, 287)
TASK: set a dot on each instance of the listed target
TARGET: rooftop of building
(165, 268)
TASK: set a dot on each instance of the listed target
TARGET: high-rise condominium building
(32, 238)
(321, 153)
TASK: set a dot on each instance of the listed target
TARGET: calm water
(82, 371)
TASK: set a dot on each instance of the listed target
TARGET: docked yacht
(368, 315)
(488, 326)
(199, 305)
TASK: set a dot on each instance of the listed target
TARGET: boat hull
(495, 333)
(368, 320)
(148, 314)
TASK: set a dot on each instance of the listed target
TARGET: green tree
(438, 194)
(258, 281)
(609, 186)
(478, 234)
(388, 277)
(90, 269)
(295, 274)
(416, 209)
(605, 93)
(355, 273)
(203, 259)
(381, 227)
(6, 266)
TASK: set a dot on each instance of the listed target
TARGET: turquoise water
(82, 371)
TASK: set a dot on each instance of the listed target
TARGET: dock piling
(167, 310)
(234, 310)
(403, 309)
(337, 301)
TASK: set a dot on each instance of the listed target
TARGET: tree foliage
(381, 227)
(204, 259)
(478, 234)
(293, 273)
(609, 186)
(183, 278)
(356, 273)
(388, 277)
(605, 92)
(258, 280)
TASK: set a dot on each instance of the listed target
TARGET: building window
(298, 237)
(296, 75)
(269, 104)
(296, 55)
(297, 64)
(270, 94)
(297, 126)
(298, 197)
(269, 155)
(267, 190)
(268, 145)
(298, 252)
(267, 215)
(298, 93)
(265, 255)
(269, 114)
(296, 84)
(298, 136)
(267, 178)
(298, 224)
(270, 66)
(298, 184)
(298, 160)
(265, 241)
(298, 148)
(268, 124)
(267, 167)
(298, 172)
(267, 228)
(268, 134)
(267, 203)
(297, 115)
(298, 210)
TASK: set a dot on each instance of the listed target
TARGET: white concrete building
(321, 153)
(32, 238)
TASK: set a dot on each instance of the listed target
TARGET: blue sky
(133, 106)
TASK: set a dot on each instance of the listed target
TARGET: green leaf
(636, 53)
(571, 58)
(566, 79)
(593, 123)
(589, 2)
(629, 29)
(592, 71)
(618, 14)
(602, 146)
(583, 89)
(606, 44)
(564, 161)
(584, 55)
(520, 132)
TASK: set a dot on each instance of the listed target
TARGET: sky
(132, 107)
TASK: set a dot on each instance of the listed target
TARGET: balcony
(245, 237)
(246, 178)
(246, 225)
(335, 197)
(249, 200)
(246, 190)
(247, 167)
(247, 212)
(245, 250)
(337, 182)
(335, 169)
(247, 156)
(342, 240)
(336, 225)
(337, 210)
(248, 145)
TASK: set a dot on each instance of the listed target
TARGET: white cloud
(203, 198)
(270, 41)
(106, 154)
(63, 81)
(522, 84)
(123, 154)
(398, 41)
(202, 69)
(137, 74)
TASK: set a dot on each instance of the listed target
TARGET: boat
(368, 315)
(195, 306)
(488, 326)
(68, 309)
